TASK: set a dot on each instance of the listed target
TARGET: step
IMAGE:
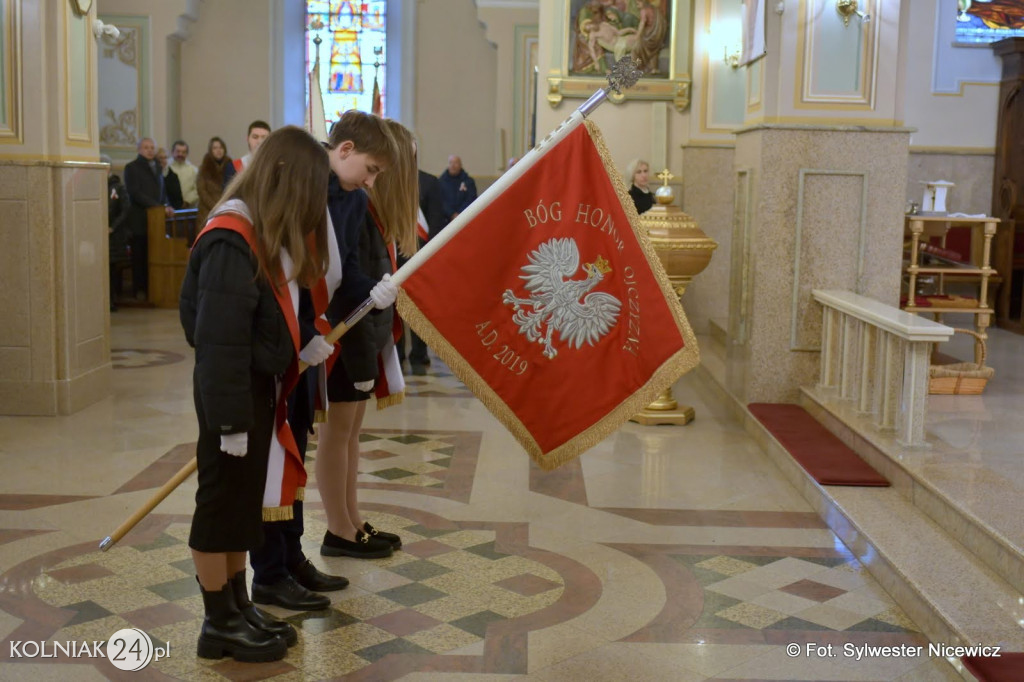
(948, 592)
(882, 452)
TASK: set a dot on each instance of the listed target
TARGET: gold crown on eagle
(602, 265)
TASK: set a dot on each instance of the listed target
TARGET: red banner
(553, 307)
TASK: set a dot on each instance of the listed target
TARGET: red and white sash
(286, 474)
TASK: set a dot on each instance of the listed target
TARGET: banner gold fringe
(278, 513)
(674, 367)
(390, 400)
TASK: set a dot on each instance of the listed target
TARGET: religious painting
(986, 21)
(604, 31)
(598, 33)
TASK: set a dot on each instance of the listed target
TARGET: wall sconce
(726, 39)
(847, 9)
(733, 56)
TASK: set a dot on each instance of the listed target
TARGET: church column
(55, 335)
(819, 174)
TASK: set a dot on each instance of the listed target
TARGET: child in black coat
(238, 308)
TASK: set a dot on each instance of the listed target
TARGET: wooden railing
(170, 239)
(877, 356)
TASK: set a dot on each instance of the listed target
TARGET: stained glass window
(985, 21)
(352, 52)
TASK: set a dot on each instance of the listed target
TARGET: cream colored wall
(500, 26)
(967, 120)
(163, 21)
(456, 87)
(225, 74)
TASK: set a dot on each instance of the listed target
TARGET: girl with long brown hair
(210, 178)
(237, 307)
(389, 223)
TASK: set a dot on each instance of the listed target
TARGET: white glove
(384, 293)
(364, 386)
(235, 444)
(316, 351)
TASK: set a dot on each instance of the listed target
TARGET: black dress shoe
(289, 594)
(391, 538)
(364, 547)
(257, 618)
(307, 575)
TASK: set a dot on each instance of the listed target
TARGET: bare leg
(351, 496)
(235, 563)
(212, 569)
(332, 467)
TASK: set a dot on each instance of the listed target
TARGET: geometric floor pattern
(663, 553)
(441, 593)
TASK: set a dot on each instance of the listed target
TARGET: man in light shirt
(186, 173)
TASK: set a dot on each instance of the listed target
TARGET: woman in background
(637, 176)
(210, 181)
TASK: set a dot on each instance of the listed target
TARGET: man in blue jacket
(457, 189)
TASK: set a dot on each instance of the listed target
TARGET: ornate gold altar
(684, 251)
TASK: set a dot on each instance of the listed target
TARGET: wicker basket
(961, 378)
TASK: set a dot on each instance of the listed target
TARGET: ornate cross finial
(377, 52)
(316, 25)
(624, 74)
(665, 176)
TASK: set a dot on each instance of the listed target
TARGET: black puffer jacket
(233, 321)
(360, 346)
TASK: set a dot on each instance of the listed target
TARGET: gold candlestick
(684, 251)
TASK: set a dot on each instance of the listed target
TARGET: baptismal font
(684, 251)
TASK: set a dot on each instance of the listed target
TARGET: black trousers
(281, 551)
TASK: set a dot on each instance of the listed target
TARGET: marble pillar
(818, 207)
(54, 296)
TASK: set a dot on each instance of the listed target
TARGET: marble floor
(664, 553)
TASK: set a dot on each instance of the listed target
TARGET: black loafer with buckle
(364, 547)
(391, 538)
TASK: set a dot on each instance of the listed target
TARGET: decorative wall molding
(741, 289)
(826, 43)
(11, 100)
(794, 344)
(124, 82)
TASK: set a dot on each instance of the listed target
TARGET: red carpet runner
(1009, 667)
(814, 447)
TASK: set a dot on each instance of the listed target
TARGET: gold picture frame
(595, 33)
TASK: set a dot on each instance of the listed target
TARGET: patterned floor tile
(137, 358)
(809, 589)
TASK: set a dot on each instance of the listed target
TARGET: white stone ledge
(892, 320)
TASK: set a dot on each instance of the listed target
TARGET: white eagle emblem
(555, 300)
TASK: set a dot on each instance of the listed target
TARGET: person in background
(172, 185)
(431, 210)
(145, 184)
(458, 190)
(264, 241)
(637, 172)
(186, 173)
(258, 131)
(210, 181)
(117, 229)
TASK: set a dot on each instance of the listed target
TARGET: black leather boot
(262, 620)
(226, 632)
